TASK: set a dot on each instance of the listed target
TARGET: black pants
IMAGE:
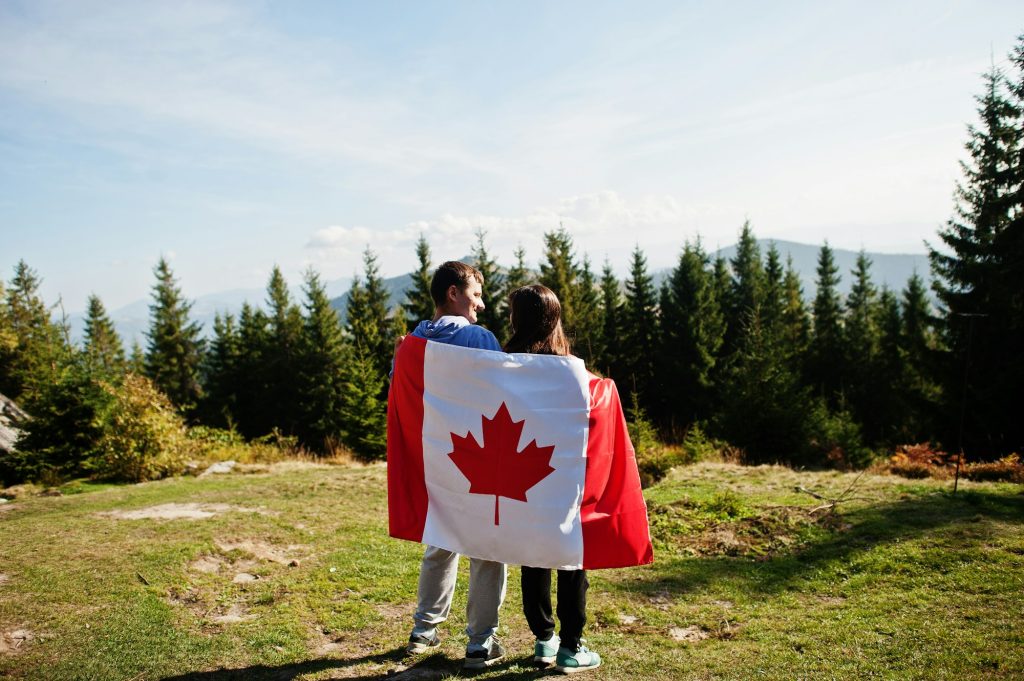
(572, 603)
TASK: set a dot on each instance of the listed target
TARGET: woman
(536, 318)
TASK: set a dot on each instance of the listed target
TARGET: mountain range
(891, 270)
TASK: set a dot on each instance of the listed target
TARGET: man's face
(466, 303)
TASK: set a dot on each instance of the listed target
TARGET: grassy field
(291, 575)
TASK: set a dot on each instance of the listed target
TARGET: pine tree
(495, 314)
(221, 373)
(558, 272)
(746, 292)
(889, 382)
(588, 344)
(8, 339)
(281, 355)
(174, 350)
(861, 348)
(40, 346)
(367, 325)
(254, 404)
(825, 365)
(518, 275)
(918, 350)
(418, 303)
(137, 359)
(609, 359)
(103, 349)
(322, 370)
(774, 305)
(363, 407)
(692, 328)
(640, 314)
(796, 325)
(977, 282)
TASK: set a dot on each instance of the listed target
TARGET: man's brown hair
(452, 273)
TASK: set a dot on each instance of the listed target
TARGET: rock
(293, 563)
(244, 578)
(51, 492)
(627, 619)
(219, 467)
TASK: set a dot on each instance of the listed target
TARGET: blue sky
(233, 136)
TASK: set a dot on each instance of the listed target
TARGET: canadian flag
(522, 459)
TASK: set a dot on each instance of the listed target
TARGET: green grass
(904, 581)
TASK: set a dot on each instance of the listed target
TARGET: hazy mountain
(892, 270)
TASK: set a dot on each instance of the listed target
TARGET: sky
(232, 136)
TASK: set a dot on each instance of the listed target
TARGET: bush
(921, 460)
(216, 444)
(144, 438)
(835, 440)
(1007, 469)
(66, 424)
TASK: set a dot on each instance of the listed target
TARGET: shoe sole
(419, 648)
(574, 670)
(482, 664)
(539, 659)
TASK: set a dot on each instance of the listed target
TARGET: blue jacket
(456, 330)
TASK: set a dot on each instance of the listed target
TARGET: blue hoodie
(457, 330)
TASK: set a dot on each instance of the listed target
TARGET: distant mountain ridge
(892, 270)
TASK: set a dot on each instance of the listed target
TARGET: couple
(535, 316)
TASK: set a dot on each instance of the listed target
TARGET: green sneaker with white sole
(544, 652)
(579, 660)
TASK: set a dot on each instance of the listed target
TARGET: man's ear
(453, 293)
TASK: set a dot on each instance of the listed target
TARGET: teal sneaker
(579, 660)
(544, 652)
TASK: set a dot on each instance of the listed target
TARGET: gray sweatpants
(438, 573)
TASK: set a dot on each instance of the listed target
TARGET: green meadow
(288, 573)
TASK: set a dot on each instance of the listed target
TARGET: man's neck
(438, 313)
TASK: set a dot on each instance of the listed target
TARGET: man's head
(457, 289)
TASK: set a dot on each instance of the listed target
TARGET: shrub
(144, 438)
(1007, 469)
(921, 460)
(835, 440)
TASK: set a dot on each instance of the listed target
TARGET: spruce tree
(640, 333)
(609, 359)
(494, 316)
(363, 407)
(518, 275)
(746, 292)
(918, 350)
(558, 271)
(322, 370)
(977, 282)
(280, 362)
(418, 303)
(103, 349)
(221, 373)
(774, 305)
(367, 322)
(137, 359)
(588, 343)
(825, 364)
(861, 349)
(889, 383)
(40, 346)
(796, 325)
(174, 349)
(692, 328)
(254, 404)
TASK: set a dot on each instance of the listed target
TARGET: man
(457, 292)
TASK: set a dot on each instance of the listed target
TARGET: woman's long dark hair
(536, 317)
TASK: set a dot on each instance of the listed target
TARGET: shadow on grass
(953, 521)
(434, 667)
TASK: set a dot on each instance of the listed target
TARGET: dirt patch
(11, 642)
(7, 507)
(690, 634)
(176, 511)
(832, 600)
(234, 614)
(275, 554)
(244, 578)
(206, 564)
(394, 611)
(4, 578)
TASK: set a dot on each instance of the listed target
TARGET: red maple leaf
(496, 467)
